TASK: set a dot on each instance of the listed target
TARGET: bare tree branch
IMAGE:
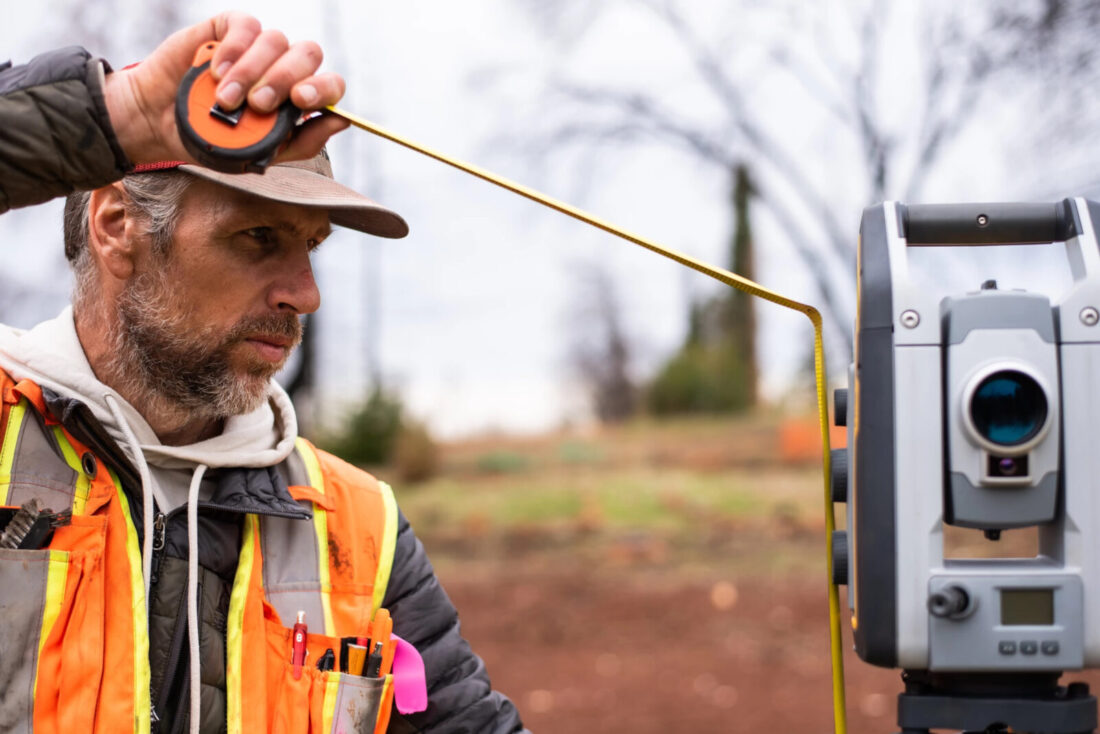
(831, 292)
(945, 112)
(968, 51)
(771, 150)
(805, 74)
(642, 115)
(601, 353)
(876, 147)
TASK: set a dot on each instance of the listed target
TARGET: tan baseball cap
(306, 183)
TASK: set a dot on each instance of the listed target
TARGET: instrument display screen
(1027, 607)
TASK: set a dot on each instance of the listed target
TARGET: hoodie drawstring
(146, 493)
(192, 551)
(193, 592)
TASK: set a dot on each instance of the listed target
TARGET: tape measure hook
(230, 117)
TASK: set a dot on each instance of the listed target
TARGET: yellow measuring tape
(730, 279)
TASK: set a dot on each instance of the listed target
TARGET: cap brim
(292, 185)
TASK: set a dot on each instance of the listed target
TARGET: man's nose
(295, 290)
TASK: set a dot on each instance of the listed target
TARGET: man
(202, 528)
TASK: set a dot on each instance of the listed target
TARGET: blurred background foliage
(379, 432)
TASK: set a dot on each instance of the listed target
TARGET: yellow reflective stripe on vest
(143, 704)
(234, 635)
(7, 450)
(389, 545)
(320, 529)
(56, 575)
(83, 481)
(328, 710)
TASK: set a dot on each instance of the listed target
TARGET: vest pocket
(323, 701)
(71, 644)
(28, 589)
(355, 704)
(51, 635)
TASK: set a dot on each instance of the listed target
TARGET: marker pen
(298, 653)
(374, 662)
(357, 656)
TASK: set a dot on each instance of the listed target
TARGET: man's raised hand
(252, 65)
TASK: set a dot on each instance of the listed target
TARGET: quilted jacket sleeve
(460, 697)
(55, 134)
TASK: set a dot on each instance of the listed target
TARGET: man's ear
(111, 231)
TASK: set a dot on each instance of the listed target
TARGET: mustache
(286, 326)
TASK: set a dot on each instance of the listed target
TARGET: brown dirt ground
(593, 651)
(724, 631)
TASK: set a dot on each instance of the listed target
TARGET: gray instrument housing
(984, 333)
(914, 465)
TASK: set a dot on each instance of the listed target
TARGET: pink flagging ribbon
(410, 686)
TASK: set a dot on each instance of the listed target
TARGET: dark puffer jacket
(55, 137)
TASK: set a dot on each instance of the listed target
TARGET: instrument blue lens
(1008, 408)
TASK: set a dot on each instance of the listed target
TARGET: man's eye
(263, 235)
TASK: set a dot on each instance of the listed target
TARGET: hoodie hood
(50, 355)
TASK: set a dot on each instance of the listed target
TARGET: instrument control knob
(950, 602)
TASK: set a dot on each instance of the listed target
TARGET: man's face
(209, 323)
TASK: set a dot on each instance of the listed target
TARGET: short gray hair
(151, 197)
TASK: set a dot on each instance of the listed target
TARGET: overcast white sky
(472, 311)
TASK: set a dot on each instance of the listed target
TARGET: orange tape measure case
(231, 141)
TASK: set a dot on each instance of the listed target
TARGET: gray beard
(179, 373)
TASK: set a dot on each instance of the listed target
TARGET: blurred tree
(120, 30)
(738, 308)
(715, 369)
(845, 67)
(415, 454)
(370, 433)
(601, 353)
(379, 432)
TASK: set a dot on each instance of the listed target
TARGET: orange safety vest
(73, 624)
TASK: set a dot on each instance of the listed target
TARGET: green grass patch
(674, 501)
(502, 462)
(579, 452)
